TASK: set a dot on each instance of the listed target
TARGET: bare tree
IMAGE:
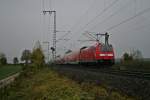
(15, 60)
(136, 54)
(26, 56)
(3, 59)
(127, 57)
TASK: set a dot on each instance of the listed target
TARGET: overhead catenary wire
(79, 20)
(126, 20)
(97, 16)
(100, 14)
(89, 36)
(137, 28)
(129, 19)
(112, 27)
(112, 15)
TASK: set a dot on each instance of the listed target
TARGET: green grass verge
(8, 70)
(134, 65)
(46, 84)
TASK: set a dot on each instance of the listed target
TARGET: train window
(106, 48)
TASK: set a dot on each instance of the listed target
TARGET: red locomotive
(99, 53)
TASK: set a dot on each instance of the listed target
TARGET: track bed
(136, 84)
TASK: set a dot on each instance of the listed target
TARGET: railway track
(126, 73)
(134, 83)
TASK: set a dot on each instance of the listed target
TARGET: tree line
(36, 56)
(132, 55)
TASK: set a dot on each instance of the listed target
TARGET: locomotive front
(104, 52)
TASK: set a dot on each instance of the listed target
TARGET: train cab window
(106, 48)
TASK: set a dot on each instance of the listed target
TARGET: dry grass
(46, 84)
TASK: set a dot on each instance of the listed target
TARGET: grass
(134, 65)
(46, 84)
(8, 70)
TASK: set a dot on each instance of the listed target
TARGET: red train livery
(99, 53)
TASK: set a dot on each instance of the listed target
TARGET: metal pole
(48, 52)
(54, 34)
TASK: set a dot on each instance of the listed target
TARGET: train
(97, 54)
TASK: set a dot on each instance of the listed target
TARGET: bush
(3, 61)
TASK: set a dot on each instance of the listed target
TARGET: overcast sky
(22, 23)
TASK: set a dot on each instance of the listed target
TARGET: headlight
(102, 54)
(110, 54)
(106, 54)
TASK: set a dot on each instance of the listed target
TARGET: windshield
(106, 48)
